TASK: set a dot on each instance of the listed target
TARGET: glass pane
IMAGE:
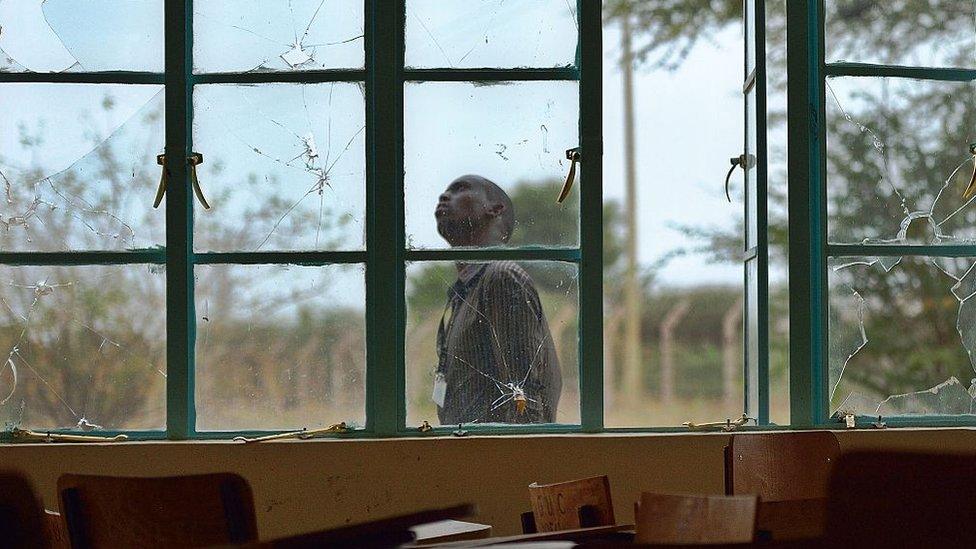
(902, 335)
(78, 167)
(934, 33)
(83, 347)
(508, 348)
(277, 35)
(898, 161)
(491, 33)
(750, 33)
(515, 136)
(66, 36)
(751, 172)
(673, 302)
(280, 346)
(778, 216)
(752, 338)
(284, 166)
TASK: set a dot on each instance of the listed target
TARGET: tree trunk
(633, 380)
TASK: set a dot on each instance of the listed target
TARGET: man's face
(462, 211)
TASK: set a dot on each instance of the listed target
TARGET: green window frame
(809, 249)
(386, 254)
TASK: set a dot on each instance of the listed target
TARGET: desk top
(449, 530)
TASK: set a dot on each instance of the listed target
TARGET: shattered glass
(280, 346)
(899, 160)
(78, 349)
(902, 335)
(491, 33)
(514, 134)
(63, 36)
(932, 33)
(78, 168)
(284, 167)
(485, 345)
(277, 35)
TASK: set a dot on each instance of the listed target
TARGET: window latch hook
(192, 160)
(744, 161)
(971, 188)
(161, 189)
(574, 156)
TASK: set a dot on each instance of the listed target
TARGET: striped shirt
(496, 344)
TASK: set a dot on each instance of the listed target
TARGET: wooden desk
(617, 533)
(449, 530)
(789, 520)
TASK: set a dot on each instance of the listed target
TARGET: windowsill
(362, 437)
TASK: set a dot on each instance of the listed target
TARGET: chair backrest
(187, 511)
(780, 466)
(680, 519)
(21, 514)
(57, 531)
(558, 506)
(889, 499)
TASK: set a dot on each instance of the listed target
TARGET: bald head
(474, 211)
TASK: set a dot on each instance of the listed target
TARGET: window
(293, 275)
(308, 160)
(887, 265)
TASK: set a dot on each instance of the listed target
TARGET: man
(496, 359)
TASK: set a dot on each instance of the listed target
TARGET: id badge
(440, 390)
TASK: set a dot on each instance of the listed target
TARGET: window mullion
(180, 319)
(807, 213)
(385, 231)
(590, 59)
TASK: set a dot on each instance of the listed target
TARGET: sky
(688, 122)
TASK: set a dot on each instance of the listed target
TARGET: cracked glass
(280, 346)
(79, 350)
(491, 33)
(930, 33)
(492, 342)
(284, 167)
(902, 335)
(277, 35)
(78, 168)
(513, 134)
(49, 36)
(899, 161)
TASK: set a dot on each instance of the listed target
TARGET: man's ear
(496, 209)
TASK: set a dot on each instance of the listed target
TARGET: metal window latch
(27, 435)
(460, 431)
(193, 160)
(303, 434)
(744, 161)
(425, 427)
(971, 188)
(728, 425)
(574, 156)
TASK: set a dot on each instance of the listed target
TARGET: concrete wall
(305, 485)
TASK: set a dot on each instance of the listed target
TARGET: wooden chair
(187, 511)
(583, 503)
(892, 499)
(677, 519)
(22, 522)
(57, 531)
(780, 466)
